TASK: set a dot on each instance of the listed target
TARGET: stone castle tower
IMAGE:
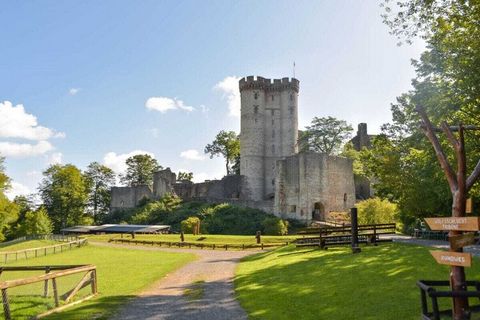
(269, 130)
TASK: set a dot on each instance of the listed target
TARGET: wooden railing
(213, 246)
(41, 251)
(51, 274)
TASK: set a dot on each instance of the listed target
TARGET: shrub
(275, 226)
(188, 225)
(376, 210)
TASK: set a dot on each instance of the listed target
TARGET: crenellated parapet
(251, 82)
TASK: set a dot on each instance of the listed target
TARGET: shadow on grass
(378, 283)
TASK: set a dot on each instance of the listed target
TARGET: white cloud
(231, 92)
(17, 189)
(116, 162)
(191, 154)
(73, 91)
(55, 158)
(163, 104)
(16, 123)
(22, 150)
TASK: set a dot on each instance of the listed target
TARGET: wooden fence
(213, 246)
(41, 251)
(89, 278)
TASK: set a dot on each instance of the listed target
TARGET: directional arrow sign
(461, 240)
(453, 223)
(453, 258)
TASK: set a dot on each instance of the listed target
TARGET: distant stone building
(363, 188)
(273, 176)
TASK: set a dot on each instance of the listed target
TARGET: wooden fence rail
(41, 251)
(213, 246)
(51, 274)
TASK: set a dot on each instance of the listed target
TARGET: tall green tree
(99, 179)
(64, 192)
(36, 222)
(9, 211)
(325, 135)
(227, 145)
(447, 86)
(140, 169)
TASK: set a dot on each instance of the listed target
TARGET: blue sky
(87, 69)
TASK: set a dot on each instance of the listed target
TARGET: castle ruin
(274, 176)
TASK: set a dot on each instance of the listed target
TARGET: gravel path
(438, 244)
(165, 299)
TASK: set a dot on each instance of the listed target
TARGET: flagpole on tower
(294, 69)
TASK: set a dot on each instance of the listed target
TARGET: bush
(275, 226)
(376, 210)
(188, 225)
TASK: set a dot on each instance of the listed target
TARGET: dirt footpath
(212, 298)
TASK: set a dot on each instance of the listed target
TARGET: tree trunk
(457, 274)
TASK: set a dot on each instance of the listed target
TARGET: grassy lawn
(29, 244)
(121, 274)
(378, 283)
(204, 238)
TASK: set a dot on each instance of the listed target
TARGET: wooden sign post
(460, 184)
(452, 258)
(453, 223)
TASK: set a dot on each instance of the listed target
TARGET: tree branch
(474, 176)
(442, 158)
(448, 132)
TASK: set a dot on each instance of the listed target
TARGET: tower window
(272, 97)
(273, 149)
(255, 109)
(292, 109)
(256, 120)
(255, 95)
(272, 112)
(273, 133)
(291, 96)
(273, 121)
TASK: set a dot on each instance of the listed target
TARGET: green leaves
(226, 144)
(140, 169)
(325, 135)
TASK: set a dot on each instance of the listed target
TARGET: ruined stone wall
(163, 182)
(128, 197)
(230, 187)
(309, 184)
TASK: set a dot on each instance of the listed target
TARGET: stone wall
(128, 197)
(309, 185)
(228, 188)
(163, 182)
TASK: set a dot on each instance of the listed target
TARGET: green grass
(29, 244)
(121, 274)
(204, 238)
(378, 283)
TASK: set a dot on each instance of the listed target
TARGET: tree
(99, 179)
(140, 169)
(325, 135)
(65, 195)
(8, 215)
(4, 179)
(185, 176)
(36, 222)
(226, 144)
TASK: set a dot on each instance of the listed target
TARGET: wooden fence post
(6, 305)
(45, 286)
(354, 223)
(55, 292)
